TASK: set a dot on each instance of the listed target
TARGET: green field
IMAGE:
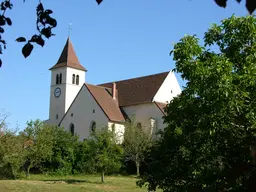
(41, 183)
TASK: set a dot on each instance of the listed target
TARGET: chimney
(114, 90)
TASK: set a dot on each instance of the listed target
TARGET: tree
(82, 154)
(38, 144)
(3, 117)
(137, 141)
(11, 155)
(11, 150)
(63, 152)
(46, 23)
(104, 154)
(211, 124)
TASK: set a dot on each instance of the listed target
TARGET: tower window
(73, 79)
(57, 116)
(77, 79)
(72, 114)
(57, 79)
(93, 126)
(60, 78)
(72, 129)
(93, 111)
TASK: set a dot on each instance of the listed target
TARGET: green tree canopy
(211, 124)
(11, 155)
(38, 144)
(104, 154)
(137, 141)
(63, 151)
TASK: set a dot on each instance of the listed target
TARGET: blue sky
(116, 40)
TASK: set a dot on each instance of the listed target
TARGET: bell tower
(67, 78)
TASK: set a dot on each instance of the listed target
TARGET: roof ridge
(135, 78)
(97, 86)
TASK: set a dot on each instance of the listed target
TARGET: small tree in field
(38, 144)
(104, 154)
(11, 155)
(11, 150)
(137, 141)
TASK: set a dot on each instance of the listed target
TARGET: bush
(11, 155)
(63, 152)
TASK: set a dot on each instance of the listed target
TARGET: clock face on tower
(57, 92)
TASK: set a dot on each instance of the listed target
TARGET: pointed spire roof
(68, 58)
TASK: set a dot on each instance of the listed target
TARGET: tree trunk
(28, 170)
(102, 176)
(138, 168)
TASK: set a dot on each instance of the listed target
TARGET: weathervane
(69, 28)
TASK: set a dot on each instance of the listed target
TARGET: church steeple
(67, 78)
(68, 58)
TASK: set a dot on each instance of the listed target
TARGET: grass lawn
(42, 183)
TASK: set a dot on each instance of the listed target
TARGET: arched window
(93, 126)
(153, 125)
(60, 78)
(73, 79)
(77, 79)
(139, 125)
(113, 127)
(57, 79)
(72, 129)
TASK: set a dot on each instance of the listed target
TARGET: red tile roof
(161, 106)
(68, 58)
(105, 100)
(137, 90)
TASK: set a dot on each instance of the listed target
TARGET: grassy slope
(40, 183)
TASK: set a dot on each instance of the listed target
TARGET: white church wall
(119, 131)
(144, 113)
(73, 89)
(71, 71)
(85, 110)
(169, 89)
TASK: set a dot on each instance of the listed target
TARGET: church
(81, 107)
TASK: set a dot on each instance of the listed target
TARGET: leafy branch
(4, 6)
(250, 4)
(44, 25)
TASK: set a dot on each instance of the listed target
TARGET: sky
(114, 41)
